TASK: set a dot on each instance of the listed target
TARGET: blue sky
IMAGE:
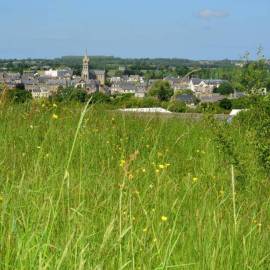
(195, 29)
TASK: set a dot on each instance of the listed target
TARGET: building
(85, 69)
(99, 75)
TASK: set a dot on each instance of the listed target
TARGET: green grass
(120, 191)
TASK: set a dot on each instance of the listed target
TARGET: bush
(224, 89)
(162, 90)
(19, 95)
(177, 106)
(69, 94)
(225, 104)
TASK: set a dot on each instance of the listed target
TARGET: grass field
(102, 190)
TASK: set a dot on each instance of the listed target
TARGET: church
(91, 80)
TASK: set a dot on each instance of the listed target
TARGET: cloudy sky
(195, 29)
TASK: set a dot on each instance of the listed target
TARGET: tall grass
(102, 190)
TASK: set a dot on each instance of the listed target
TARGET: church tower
(85, 69)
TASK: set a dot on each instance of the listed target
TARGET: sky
(190, 29)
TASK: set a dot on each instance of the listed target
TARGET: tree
(19, 95)
(225, 88)
(69, 94)
(225, 104)
(162, 90)
(255, 75)
(177, 106)
(20, 86)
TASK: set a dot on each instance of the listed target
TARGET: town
(188, 88)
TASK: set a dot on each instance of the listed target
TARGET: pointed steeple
(85, 70)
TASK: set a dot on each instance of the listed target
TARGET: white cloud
(208, 14)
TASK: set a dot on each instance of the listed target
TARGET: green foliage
(211, 108)
(99, 97)
(255, 75)
(177, 106)
(225, 88)
(19, 95)
(105, 190)
(69, 94)
(162, 90)
(225, 104)
(257, 120)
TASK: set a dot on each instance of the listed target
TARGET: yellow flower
(167, 165)
(122, 163)
(195, 179)
(54, 116)
(161, 166)
(157, 171)
(145, 230)
(54, 105)
(43, 105)
(143, 170)
(164, 218)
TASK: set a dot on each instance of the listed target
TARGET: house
(178, 83)
(200, 86)
(211, 98)
(186, 98)
(138, 89)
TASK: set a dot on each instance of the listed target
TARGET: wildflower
(147, 146)
(108, 142)
(195, 179)
(164, 218)
(38, 147)
(143, 170)
(54, 116)
(145, 230)
(54, 105)
(159, 154)
(122, 163)
(130, 176)
(161, 166)
(155, 239)
(43, 105)
(151, 186)
(31, 126)
(167, 165)
(157, 171)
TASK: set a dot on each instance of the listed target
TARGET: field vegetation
(87, 188)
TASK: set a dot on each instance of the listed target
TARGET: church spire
(85, 69)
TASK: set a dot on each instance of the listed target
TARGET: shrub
(177, 106)
(225, 104)
(19, 95)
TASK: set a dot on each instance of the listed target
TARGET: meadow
(85, 188)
